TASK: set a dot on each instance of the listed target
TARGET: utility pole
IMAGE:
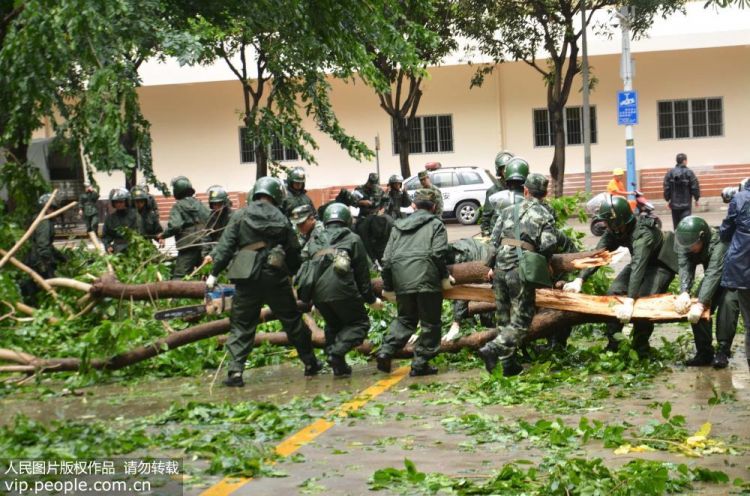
(377, 153)
(586, 117)
(626, 73)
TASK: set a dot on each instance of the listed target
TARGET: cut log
(108, 286)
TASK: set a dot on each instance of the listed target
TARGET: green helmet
(536, 183)
(616, 212)
(301, 213)
(138, 193)
(119, 194)
(501, 160)
(217, 194)
(373, 178)
(296, 175)
(337, 212)
(42, 201)
(182, 187)
(269, 186)
(516, 169)
(690, 230)
(395, 179)
(422, 174)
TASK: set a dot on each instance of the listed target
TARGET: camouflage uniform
(295, 198)
(469, 250)
(301, 214)
(438, 194)
(87, 201)
(396, 201)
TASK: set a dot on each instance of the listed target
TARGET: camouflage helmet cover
(426, 194)
(536, 183)
(395, 178)
(301, 214)
(337, 212)
(690, 230)
(422, 174)
(373, 178)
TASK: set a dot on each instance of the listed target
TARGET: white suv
(463, 190)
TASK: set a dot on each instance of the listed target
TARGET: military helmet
(138, 193)
(395, 178)
(373, 178)
(616, 212)
(119, 194)
(426, 194)
(269, 186)
(505, 198)
(217, 194)
(301, 214)
(296, 175)
(517, 169)
(728, 193)
(337, 212)
(536, 183)
(356, 196)
(690, 230)
(43, 199)
(182, 187)
(501, 160)
(745, 183)
(422, 174)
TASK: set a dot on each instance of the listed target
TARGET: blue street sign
(627, 108)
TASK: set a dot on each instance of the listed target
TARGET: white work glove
(412, 339)
(695, 312)
(377, 304)
(448, 282)
(682, 303)
(453, 332)
(573, 286)
(624, 312)
(211, 282)
(389, 295)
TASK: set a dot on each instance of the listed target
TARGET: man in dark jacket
(296, 194)
(680, 184)
(488, 210)
(187, 223)
(221, 212)
(88, 203)
(414, 275)
(698, 244)
(150, 225)
(260, 250)
(43, 256)
(341, 287)
(735, 230)
(121, 218)
(397, 197)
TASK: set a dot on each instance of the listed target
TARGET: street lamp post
(626, 72)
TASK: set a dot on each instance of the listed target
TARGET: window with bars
(573, 126)
(429, 134)
(277, 151)
(694, 118)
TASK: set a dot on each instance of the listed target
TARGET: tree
(282, 52)
(513, 30)
(429, 26)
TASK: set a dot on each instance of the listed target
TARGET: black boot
(489, 357)
(312, 366)
(613, 344)
(384, 362)
(339, 366)
(234, 379)
(721, 360)
(511, 367)
(421, 370)
(701, 359)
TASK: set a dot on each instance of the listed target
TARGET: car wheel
(467, 212)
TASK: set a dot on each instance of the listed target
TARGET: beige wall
(719, 72)
(195, 126)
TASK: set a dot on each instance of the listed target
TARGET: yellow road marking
(307, 434)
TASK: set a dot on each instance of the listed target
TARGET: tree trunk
(403, 131)
(557, 168)
(261, 162)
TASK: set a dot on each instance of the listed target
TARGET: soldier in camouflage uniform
(305, 224)
(415, 274)
(397, 197)
(652, 267)
(341, 286)
(516, 171)
(187, 223)
(515, 298)
(123, 217)
(296, 195)
(462, 251)
(221, 213)
(370, 197)
(488, 210)
(260, 250)
(88, 203)
(698, 244)
(150, 225)
(426, 183)
(43, 256)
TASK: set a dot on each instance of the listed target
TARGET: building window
(277, 151)
(696, 118)
(429, 134)
(573, 130)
